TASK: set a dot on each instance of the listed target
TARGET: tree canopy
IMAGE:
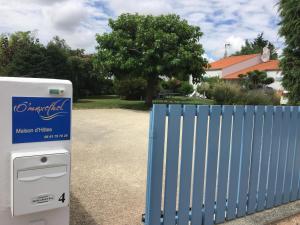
(22, 55)
(255, 79)
(149, 46)
(290, 29)
(256, 46)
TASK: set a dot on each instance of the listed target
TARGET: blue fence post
(189, 112)
(227, 112)
(199, 164)
(245, 160)
(276, 130)
(296, 173)
(255, 158)
(237, 131)
(211, 168)
(155, 165)
(282, 155)
(290, 156)
(265, 154)
(173, 138)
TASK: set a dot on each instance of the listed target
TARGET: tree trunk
(150, 92)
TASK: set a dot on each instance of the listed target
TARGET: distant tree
(150, 46)
(255, 79)
(290, 63)
(58, 52)
(21, 54)
(256, 46)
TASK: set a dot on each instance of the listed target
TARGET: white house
(229, 68)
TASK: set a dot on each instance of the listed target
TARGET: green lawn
(109, 102)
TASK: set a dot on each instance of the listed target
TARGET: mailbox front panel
(40, 182)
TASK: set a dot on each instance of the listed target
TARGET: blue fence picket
(173, 138)
(290, 156)
(237, 130)
(189, 112)
(245, 160)
(225, 136)
(282, 155)
(199, 164)
(211, 168)
(265, 154)
(155, 165)
(277, 122)
(296, 173)
(254, 169)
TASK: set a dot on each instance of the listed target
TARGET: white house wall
(277, 76)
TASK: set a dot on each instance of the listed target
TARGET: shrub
(205, 89)
(131, 89)
(226, 93)
(185, 88)
(212, 80)
(172, 85)
(260, 97)
(177, 86)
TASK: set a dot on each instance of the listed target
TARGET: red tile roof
(270, 65)
(229, 61)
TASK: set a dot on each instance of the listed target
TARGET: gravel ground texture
(109, 163)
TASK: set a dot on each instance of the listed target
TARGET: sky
(78, 21)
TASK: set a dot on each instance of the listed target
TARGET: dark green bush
(177, 86)
(172, 85)
(131, 89)
(185, 88)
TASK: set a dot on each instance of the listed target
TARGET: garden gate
(208, 164)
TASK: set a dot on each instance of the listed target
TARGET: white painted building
(229, 68)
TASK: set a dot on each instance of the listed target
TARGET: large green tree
(149, 46)
(256, 46)
(290, 62)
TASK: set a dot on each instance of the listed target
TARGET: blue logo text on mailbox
(36, 119)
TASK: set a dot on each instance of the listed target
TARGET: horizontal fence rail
(209, 164)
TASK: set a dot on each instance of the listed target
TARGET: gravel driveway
(109, 166)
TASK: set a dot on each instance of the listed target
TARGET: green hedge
(228, 93)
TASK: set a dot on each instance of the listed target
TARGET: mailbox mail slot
(40, 181)
(34, 175)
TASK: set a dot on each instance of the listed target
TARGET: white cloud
(67, 16)
(236, 43)
(78, 21)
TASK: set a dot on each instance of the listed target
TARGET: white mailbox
(35, 151)
(40, 181)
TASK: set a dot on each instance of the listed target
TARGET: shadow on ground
(79, 215)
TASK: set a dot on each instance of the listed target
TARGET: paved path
(109, 166)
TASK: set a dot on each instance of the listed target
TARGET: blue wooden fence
(208, 164)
